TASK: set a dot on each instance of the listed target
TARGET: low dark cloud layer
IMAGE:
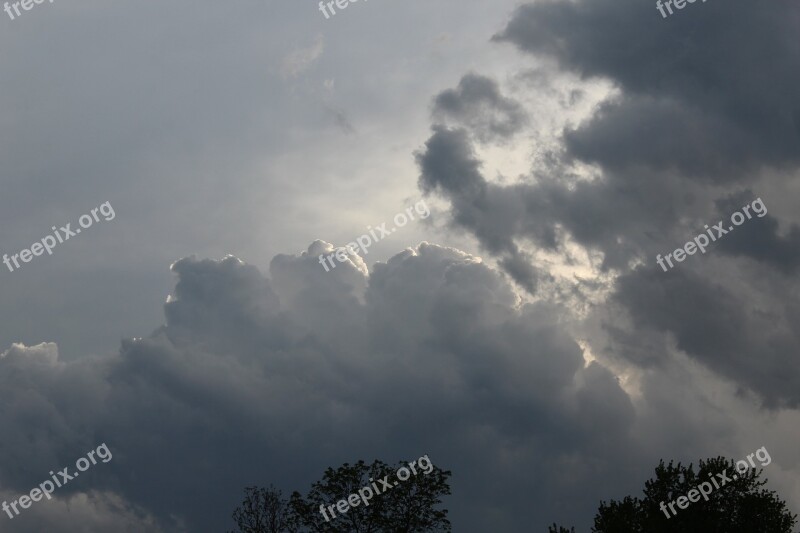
(256, 380)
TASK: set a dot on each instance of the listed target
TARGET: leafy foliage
(741, 505)
(411, 506)
(262, 511)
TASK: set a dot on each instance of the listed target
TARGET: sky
(520, 331)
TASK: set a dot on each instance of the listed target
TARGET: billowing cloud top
(254, 380)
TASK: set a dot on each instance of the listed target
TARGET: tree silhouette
(262, 511)
(401, 506)
(737, 505)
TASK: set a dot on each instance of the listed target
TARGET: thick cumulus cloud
(703, 119)
(255, 380)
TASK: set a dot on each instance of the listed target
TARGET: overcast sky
(522, 335)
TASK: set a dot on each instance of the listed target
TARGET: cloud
(717, 123)
(450, 166)
(760, 238)
(540, 408)
(91, 511)
(477, 103)
(301, 59)
(257, 380)
(684, 139)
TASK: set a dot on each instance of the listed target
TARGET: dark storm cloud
(723, 330)
(759, 238)
(518, 266)
(643, 132)
(478, 104)
(596, 214)
(257, 380)
(706, 83)
(430, 354)
(449, 165)
(703, 100)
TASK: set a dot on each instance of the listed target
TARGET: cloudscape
(539, 246)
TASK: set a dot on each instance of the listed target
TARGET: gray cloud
(449, 166)
(720, 328)
(760, 237)
(477, 104)
(301, 59)
(91, 511)
(721, 119)
(681, 127)
(256, 379)
(429, 354)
